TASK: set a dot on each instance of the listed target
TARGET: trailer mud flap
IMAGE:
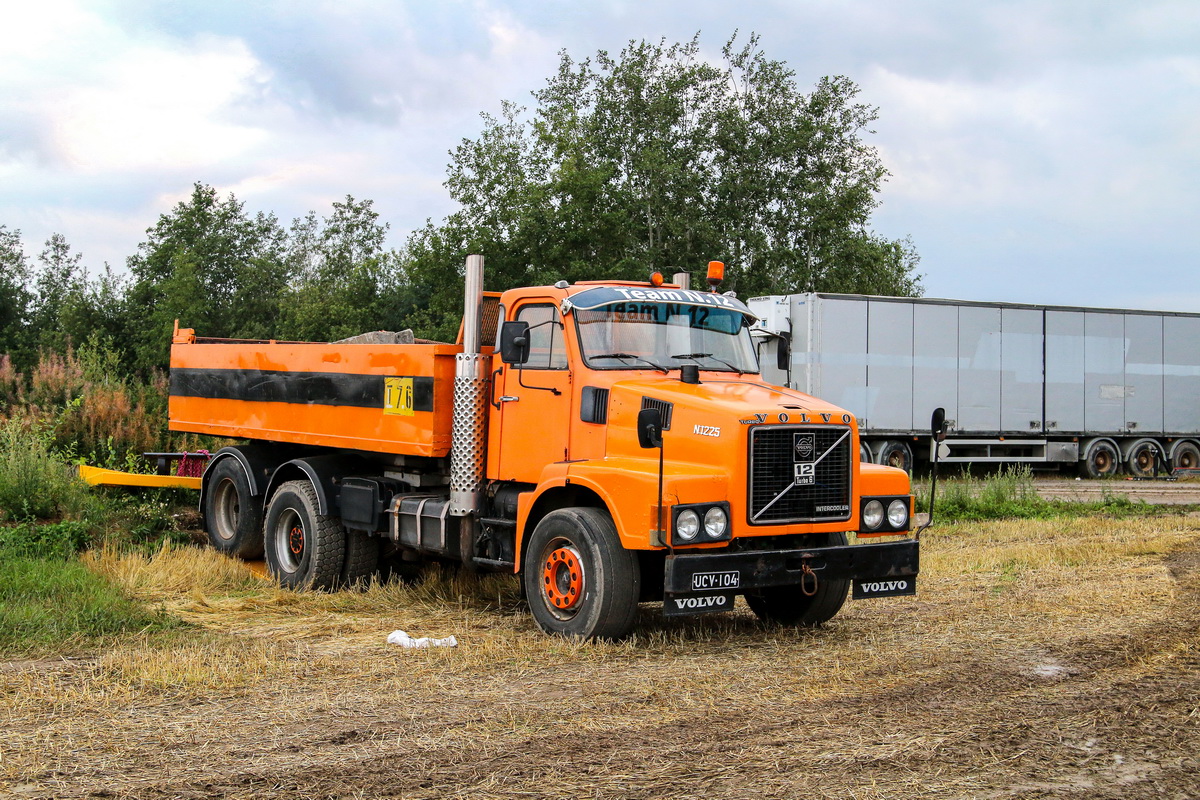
(683, 605)
(870, 588)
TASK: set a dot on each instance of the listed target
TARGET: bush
(34, 484)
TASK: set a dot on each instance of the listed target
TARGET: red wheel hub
(562, 578)
(296, 540)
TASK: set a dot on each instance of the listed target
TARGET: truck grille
(799, 474)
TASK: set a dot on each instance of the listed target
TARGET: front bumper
(883, 569)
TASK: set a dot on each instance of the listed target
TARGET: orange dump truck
(617, 445)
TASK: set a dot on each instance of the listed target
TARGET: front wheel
(578, 578)
(304, 549)
(789, 605)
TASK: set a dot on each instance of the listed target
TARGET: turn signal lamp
(716, 274)
(656, 279)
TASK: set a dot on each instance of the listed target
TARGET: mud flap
(870, 588)
(676, 605)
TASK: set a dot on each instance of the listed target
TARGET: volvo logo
(804, 446)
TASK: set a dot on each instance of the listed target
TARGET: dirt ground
(1040, 659)
(1153, 491)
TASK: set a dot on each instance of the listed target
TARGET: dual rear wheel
(303, 548)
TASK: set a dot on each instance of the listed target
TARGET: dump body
(385, 398)
(1034, 377)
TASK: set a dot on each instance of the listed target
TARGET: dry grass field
(1040, 659)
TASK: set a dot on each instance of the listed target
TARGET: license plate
(868, 588)
(677, 606)
(709, 581)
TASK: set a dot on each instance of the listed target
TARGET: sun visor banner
(606, 295)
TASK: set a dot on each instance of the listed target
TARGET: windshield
(664, 336)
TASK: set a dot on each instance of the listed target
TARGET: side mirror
(514, 342)
(783, 352)
(937, 424)
(649, 427)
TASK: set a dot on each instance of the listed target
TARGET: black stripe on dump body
(307, 388)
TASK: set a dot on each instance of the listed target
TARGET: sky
(1040, 152)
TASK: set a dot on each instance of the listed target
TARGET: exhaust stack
(468, 428)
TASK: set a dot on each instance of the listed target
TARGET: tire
(1142, 458)
(1100, 461)
(864, 452)
(579, 580)
(789, 605)
(304, 549)
(1186, 456)
(232, 516)
(895, 453)
(362, 558)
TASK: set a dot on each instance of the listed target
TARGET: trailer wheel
(789, 605)
(362, 557)
(232, 515)
(304, 549)
(1142, 457)
(579, 580)
(895, 453)
(1186, 456)
(1101, 460)
(864, 452)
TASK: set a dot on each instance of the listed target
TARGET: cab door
(534, 399)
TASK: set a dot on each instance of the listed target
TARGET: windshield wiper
(694, 356)
(658, 367)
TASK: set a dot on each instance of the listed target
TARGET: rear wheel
(579, 580)
(1143, 457)
(789, 605)
(895, 453)
(362, 557)
(1100, 460)
(1186, 456)
(232, 516)
(304, 549)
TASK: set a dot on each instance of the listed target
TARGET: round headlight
(715, 522)
(898, 513)
(687, 525)
(872, 514)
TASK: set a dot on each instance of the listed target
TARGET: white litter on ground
(404, 640)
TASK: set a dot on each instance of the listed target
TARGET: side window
(546, 349)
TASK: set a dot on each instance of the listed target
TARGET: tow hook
(807, 575)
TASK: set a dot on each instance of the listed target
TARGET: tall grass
(34, 482)
(1011, 494)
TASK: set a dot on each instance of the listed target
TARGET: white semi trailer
(1107, 389)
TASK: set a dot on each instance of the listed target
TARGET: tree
(345, 282)
(59, 283)
(658, 159)
(213, 267)
(15, 298)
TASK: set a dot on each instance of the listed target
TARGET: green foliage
(1011, 494)
(15, 298)
(213, 266)
(657, 159)
(53, 605)
(34, 484)
(61, 539)
(343, 280)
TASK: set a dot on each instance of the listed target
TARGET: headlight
(872, 515)
(898, 514)
(715, 522)
(687, 525)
